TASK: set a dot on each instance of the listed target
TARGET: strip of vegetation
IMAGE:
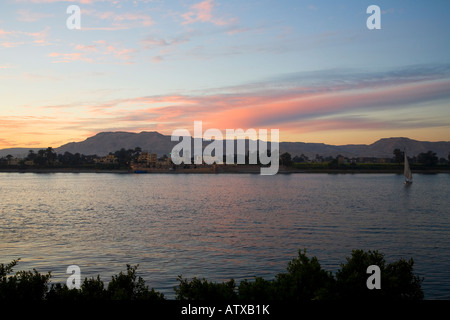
(124, 159)
(304, 280)
(387, 167)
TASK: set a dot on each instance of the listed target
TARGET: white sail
(407, 171)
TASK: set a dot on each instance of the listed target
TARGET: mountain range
(105, 142)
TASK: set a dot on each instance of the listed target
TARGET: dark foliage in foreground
(304, 280)
(34, 286)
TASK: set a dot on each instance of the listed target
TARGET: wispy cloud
(6, 143)
(115, 21)
(40, 37)
(14, 38)
(5, 33)
(98, 51)
(69, 57)
(164, 46)
(26, 15)
(86, 48)
(203, 12)
(312, 108)
(120, 53)
(356, 104)
(359, 102)
(156, 42)
(9, 44)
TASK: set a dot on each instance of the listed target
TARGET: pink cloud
(29, 16)
(145, 20)
(303, 111)
(69, 57)
(277, 110)
(119, 21)
(199, 12)
(296, 110)
(203, 12)
(86, 48)
(96, 52)
(114, 28)
(4, 33)
(6, 143)
(8, 44)
(39, 37)
(121, 53)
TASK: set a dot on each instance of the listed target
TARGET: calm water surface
(221, 226)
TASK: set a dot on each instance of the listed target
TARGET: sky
(312, 69)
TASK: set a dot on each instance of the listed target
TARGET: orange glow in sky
(316, 73)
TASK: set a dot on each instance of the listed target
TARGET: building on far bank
(14, 161)
(164, 162)
(147, 158)
(110, 158)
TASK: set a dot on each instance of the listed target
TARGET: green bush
(258, 290)
(351, 278)
(401, 282)
(129, 287)
(303, 280)
(306, 280)
(197, 289)
(397, 279)
(27, 285)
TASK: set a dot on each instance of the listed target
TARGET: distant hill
(382, 148)
(413, 147)
(103, 143)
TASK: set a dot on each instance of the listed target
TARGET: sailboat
(407, 171)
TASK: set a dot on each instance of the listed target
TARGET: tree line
(427, 159)
(124, 157)
(49, 158)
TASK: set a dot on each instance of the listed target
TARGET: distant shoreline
(197, 171)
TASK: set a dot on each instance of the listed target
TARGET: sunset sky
(311, 69)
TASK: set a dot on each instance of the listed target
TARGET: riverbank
(221, 170)
(62, 170)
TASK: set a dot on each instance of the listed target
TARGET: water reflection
(221, 226)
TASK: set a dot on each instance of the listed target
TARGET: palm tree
(286, 159)
(9, 157)
(398, 155)
(50, 155)
(429, 158)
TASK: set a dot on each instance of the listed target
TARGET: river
(221, 226)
